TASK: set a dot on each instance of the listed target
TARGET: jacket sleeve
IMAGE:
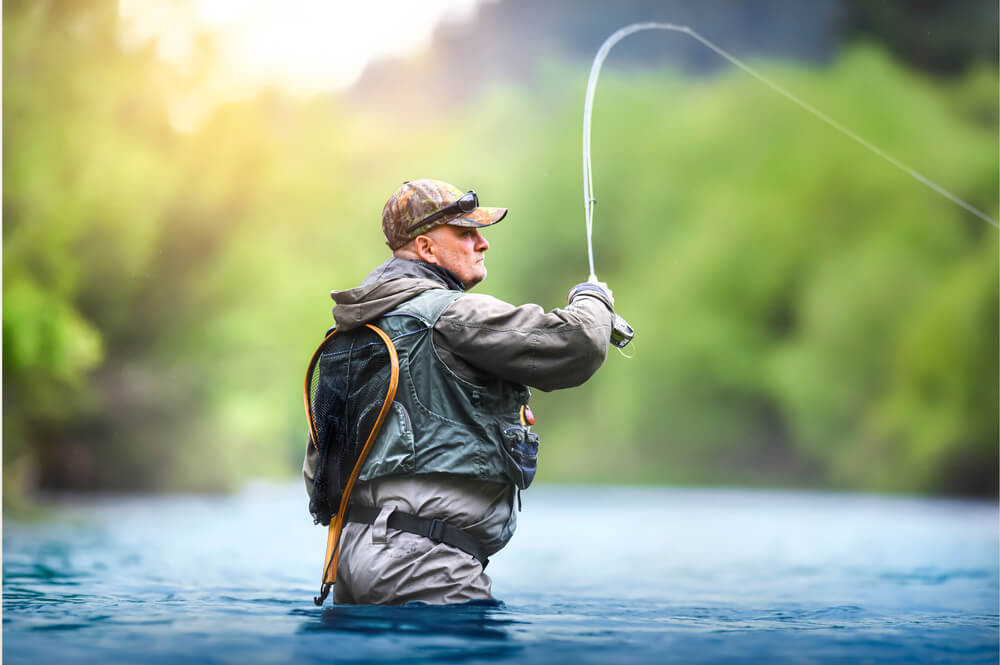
(546, 350)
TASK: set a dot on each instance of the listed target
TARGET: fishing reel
(621, 333)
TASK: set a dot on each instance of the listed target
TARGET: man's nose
(481, 243)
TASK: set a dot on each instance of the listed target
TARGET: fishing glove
(592, 290)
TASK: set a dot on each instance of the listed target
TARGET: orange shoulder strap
(337, 523)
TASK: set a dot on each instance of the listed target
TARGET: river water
(594, 575)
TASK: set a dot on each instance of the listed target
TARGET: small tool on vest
(527, 417)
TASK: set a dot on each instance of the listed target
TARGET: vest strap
(437, 530)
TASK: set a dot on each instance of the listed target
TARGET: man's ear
(424, 249)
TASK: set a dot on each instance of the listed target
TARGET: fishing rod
(622, 333)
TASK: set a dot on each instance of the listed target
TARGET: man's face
(461, 250)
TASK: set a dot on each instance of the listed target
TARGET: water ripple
(230, 582)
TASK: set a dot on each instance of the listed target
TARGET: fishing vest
(441, 423)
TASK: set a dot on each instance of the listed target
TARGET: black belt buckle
(435, 530)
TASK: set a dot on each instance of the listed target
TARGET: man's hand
(599, 290)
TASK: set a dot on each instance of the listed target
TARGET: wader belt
(437, 530)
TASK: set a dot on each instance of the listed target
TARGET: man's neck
(450, 279)
(404, 266)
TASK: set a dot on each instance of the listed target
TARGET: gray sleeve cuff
(590, 290)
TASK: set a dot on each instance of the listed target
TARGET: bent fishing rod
(622, 333)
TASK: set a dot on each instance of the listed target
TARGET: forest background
(806, 315)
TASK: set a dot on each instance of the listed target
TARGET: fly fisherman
(436, 495)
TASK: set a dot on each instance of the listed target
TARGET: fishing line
(595, 69)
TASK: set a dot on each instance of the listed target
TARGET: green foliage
(779, 292)
(806, 314)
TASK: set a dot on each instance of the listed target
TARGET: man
(457, 448)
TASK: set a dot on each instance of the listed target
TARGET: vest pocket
(520, 455)
(392, 451)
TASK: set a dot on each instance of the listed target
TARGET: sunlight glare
(300, 46)
(303, 46)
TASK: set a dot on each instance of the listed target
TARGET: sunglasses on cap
(467, 203)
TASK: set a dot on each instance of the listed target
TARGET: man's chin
(476, 280)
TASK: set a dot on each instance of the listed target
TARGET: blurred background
(185, 181)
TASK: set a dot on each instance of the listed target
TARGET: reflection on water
(473, 620)
(476, 630)
(595, 575)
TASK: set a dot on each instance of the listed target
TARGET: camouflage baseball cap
(419, 199)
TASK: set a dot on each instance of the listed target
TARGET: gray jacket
(478, 334)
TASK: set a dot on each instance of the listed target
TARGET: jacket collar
(396, 268)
